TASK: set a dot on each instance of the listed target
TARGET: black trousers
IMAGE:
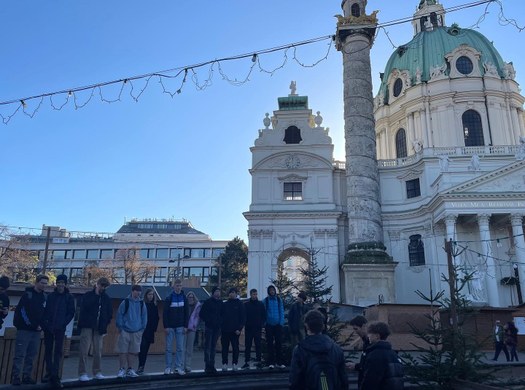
(226, 339)
(54, 348)
(274, 335)
(252, 335)
(500, 346)
(143, 354)
(211, 335)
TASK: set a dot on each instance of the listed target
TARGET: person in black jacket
(233, 319)
(95, 315)
(60, 310)
(211, 315)
(296, 319)
(358, 324)
(28, 323)
(255, 319)
(382, 368)
(317, 361)
(4, 299)
(148, 336)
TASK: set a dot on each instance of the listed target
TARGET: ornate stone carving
(293, 88)
(318, 119)
(292, 161)
(267, 121)
(521, 151)
(490, 69)
(363, 19)
(474, 163)
(437, 72)
(444, 161)
(417, 144)
(509, 71)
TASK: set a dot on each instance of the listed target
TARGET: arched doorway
(292, 261)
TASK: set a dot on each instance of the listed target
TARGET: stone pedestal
(368, 284)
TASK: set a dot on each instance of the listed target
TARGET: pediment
(509, 179)
(294, 160)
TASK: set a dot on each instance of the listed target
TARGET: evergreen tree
(233, 265)
(285, 286)
(314, 280)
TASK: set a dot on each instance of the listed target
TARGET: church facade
(450, 154)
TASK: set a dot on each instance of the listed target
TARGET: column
(516, 221)
(428, 118)
(450, 223)
(491, 277)
(423, 128)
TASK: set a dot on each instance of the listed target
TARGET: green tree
(285, 286)
(314, 280)
(16, 261)
(233, 267)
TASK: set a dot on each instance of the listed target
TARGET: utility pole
(46, 250)
(452, 287)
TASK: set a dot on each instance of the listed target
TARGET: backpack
(126, 306)
(321, 372)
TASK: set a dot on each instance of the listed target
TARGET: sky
(89, 169)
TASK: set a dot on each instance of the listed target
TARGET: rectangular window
(216, 252)
(162, 253)
(293, 191)
(79, 254)
(207, 252)
(106, 253)
(92, 254)
(197, 253)
(413, 189)
(175, 253)
(187, 252)
(143, 253)
(59, 255)
(161, 275)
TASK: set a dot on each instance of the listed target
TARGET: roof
(159, 227)
(293, 102)
(121, 291)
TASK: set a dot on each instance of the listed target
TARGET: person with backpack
(317, 361)
(28, 322)
(95, 314)
(132, 317)
(211, 315)
(274, 327)
(4, 299)
(382, 369)
(175, 318)
(148, 336)
(59, 311)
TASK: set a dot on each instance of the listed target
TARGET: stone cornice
(249, 215)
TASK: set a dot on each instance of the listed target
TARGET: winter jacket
(95, 312)
(233, 315)
(59, 311)
(30, 310)
(307, 349)
(193, 321)
(295, 317)
(175, 313)
(359, 366)
(255, 314)
(382, 368)
(274, 310)
(152, 323)
(4, 303)
(211, 313)
(135, 318)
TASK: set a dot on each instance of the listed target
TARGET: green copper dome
(428, 49)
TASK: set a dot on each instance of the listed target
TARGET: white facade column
(423, 128)
(516, 221)
(411, 129)
(521, 119)
(429, 125)
(491, 279)
(450, 224)
(515, 131)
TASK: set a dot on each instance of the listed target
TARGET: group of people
(506, 340)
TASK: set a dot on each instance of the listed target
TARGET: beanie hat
(62, 278)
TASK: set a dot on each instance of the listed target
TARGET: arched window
(398, 87)
(401, 143)
(292, 135)
(422, 21)
(433, 19)
(416, 251)
(472, 129)
(355, 10)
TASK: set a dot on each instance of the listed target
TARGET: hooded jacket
(136, 317)
(30, 310)
(306, 349)
(382, 369)
(176, 312)
(233, 315)
(60, 310)
(274, 308)
(95, 311)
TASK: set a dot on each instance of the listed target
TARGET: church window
(464, 65)
(398, 87)
(472, 128)
(422, 21)
(293, 191)
(355, 10)
(416, 251)
(292, 135)
(401, 143)
(433, 19)
(413, 188)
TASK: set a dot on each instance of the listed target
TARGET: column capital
(451, 218)
(516, 219)
(484, 219)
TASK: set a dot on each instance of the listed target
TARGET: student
(59, 311)
(358, 324)
(317, 361)
(233, 319)
(175, 318)
(194, 308)
(95, 315)
(255, 319)
(148, 336)
(274, 327)
(382, 369)
(296, 319)
(4, 299)
(211, 315)
(132, 317)
(28, 320)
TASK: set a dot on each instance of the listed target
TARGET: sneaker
(99, 376)
(281, 366)
(27, 380)
(180, 371)
(210, 370)
(131, 373)
(168, 371)
(140, 371)
(271, 366)
(224, 367)
(234, 367)
(187, 370)
(259, 365)
(16, 381)
(46, 378)
(84, 378)
(245, 366)
(121, 373)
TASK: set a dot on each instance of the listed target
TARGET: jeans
(226, 339)
(26, 347)
(54, 342)
(188, 354)
(274, 342)
(211, 335)
(178, 335)
(90, 337)
(249, 336)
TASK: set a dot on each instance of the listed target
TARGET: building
(450, 139)
(161, 250)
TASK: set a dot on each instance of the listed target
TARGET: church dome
(438, 50)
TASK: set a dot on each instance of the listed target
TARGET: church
(437, 155)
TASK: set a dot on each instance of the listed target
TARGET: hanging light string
(163, 76)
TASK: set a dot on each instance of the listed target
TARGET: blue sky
(161, 157)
